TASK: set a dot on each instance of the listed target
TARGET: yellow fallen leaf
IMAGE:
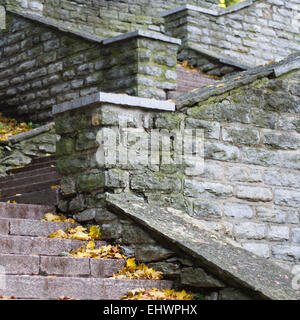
(95, 232)
(220, 85)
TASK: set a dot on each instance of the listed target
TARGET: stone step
(24, 211)
(60, 266)
(74, 287)
(40, 245)
(33, 166)
(42, 197)
(27, 188)
(28, 227)
(16, 181)
(31, 173)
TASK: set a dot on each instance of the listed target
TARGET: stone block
(250, 230)
(254, 193)
(238, 210)
(197, 277)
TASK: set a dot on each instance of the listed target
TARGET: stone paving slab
(68, 266)
(106, 267)
(40, 245)
(20, 264)
(24, 211)
(41, 197)
(4, 226)
(216, 253)
(28, 227)
(27, 188)
(17, 182)
(74, 287)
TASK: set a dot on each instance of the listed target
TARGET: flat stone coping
(29, 134)
(143, 33)
(210, 9)
(49, 22)
(114, 98)
(290, 63)
(216, 253)
(91, 37)
(211, 54)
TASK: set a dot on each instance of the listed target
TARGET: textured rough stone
(278, 233)
(232, 294)
(194, 188)
(197, 277)
(208, 209)
(148, 253)
(260, 249)
(287, 197)
(254, 193)
(250, 230)
(209, 247)
(238, 210)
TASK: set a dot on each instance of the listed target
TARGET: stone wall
(85, 180)
(21, 149)
(249, 189)
(257, 33)
(42, 66)
(141, 8)
(104, 18)
(250, 185)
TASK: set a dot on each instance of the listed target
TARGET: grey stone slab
(19, 264)
(287, 67)
(28, 227)
(29, 134)
(217, 254)
(74, 287)
(4, 226)
(39, 245)
(243, 78)
(64, 266)
(142, 33)
(105, 268)
(24, 211)
(115, 99)
(49, 22)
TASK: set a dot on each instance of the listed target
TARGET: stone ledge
(28, 134)
(292, 62)
(213, 55)
(142, 33)
(217, 254)
(49, 22)
(216, 11)
(114, 98)
(56, 25)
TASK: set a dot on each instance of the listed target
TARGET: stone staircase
(32, 184)
(35, 268)
(188, 79)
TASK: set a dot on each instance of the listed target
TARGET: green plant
(227, 3)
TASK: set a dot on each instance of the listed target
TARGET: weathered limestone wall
(104, 18)
(85, 181)
(41, 66)
(250, 185)
(141, 8)
(249, 189)
(259, 32)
